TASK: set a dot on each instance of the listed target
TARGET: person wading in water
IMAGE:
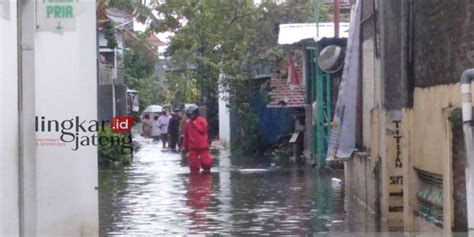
(173, 130)
(196, 141)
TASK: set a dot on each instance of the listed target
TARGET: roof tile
(282, 96)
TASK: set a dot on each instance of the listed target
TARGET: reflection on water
(157, 195)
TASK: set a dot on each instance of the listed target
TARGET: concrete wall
(443, 43)
(46, 191)
(65, 74)
(364, 172)
(370, 87)
(362, 179)
(409, 128)
(390, 24)
(224, 118)
(443, 38)
(429, 150)
(9, 213)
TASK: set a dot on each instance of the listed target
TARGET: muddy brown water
(157, 195)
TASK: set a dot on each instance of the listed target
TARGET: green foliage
(220, 36)
(182, 82)
(280, 154)
(136, 65)
(228, 37)
(112, 154)
(182, 87)
(326, 12)
(109, 35)
(139, 75)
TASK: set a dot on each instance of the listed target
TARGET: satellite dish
(331, 59)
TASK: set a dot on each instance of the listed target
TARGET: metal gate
(319, 94)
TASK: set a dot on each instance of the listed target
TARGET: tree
(140, 76)
(213, 38)
(222, 36)
(181, 80)
(228, 37)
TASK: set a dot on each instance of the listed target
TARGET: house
(279, 113)
(288, 99)
(112, 91)
(115, 98)
(321, 88)
(161, 63)
(275, 106)
(408, 163)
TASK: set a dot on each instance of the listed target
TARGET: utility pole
(317, 6)
(336, 18)
(114, 79)
(201, 72)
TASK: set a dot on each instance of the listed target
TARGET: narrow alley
(225, 117)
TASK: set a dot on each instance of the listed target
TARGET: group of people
(164, 127)
(187, 134)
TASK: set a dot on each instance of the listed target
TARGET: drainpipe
(466, 96)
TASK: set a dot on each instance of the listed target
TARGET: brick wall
(443, 40)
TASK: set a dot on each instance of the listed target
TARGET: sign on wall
(395, 166)
(57, 15)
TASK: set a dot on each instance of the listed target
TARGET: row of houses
(392, 115)
(114, 96)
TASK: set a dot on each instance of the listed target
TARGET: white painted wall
(59, 75)
(65, 77)
(9, 217)
(224, 116)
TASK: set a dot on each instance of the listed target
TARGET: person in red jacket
(196, 141)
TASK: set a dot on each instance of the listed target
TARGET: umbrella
(153, 109)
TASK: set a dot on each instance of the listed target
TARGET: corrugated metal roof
(293, 33)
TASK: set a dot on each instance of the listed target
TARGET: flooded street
(157, 195)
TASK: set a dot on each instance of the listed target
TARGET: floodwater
(157, 195)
